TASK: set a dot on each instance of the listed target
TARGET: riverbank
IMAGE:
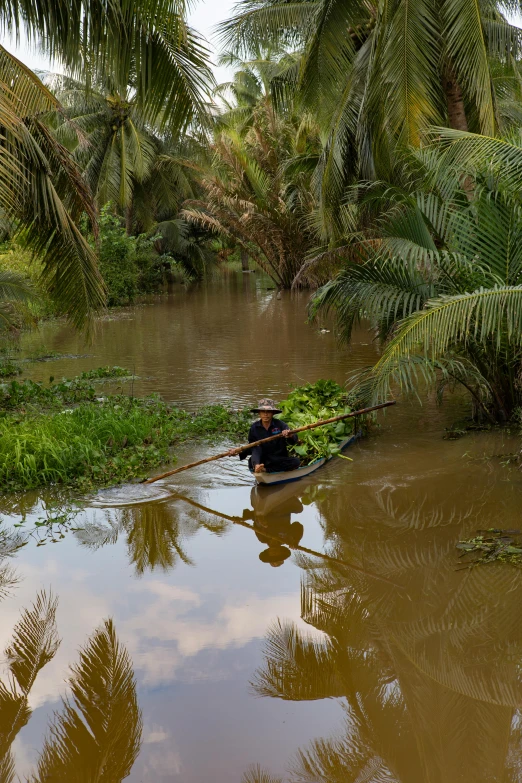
(68, 434)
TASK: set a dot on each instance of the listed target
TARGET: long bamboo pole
(247, 446)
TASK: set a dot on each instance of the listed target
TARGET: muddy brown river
(375, 660)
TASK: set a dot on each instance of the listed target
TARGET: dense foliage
(309, 403)
(440, 277)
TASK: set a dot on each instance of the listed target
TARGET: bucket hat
(266, 405)
(275, 554)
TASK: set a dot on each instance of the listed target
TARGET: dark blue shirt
(274, 450)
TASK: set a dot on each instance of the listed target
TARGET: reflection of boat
(266, 500)
(284, 476)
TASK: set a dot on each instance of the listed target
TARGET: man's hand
(260, 469)
(233, 452)
(286, 433)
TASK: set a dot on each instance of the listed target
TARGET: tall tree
(382, 72)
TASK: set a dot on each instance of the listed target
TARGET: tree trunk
(244, 260)
(455, 101)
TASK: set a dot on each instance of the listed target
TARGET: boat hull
(285, 476)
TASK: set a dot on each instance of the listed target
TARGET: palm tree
(43, 195)
(257, 190)
(382, 72)
(146, 45)
(440, 276)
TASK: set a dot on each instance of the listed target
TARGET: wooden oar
(247, 446)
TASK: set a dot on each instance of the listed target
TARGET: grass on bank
(101, 443)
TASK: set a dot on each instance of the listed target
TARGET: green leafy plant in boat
(309, 403)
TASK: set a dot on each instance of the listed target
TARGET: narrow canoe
(284, 476)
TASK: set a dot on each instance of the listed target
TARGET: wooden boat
(284, 476)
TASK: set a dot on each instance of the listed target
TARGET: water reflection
(97, 733)
(429, 676)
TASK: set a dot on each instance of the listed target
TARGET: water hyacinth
(309, 403)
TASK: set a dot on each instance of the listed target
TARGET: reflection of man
(278, 525)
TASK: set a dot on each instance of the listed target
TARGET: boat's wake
(130, 495)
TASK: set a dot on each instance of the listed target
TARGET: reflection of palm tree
(34, 643)
(97, 735)
(429, 676)
(257, 775)
(153, 539)
(154, 533)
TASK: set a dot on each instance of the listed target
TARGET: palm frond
(467, 49)
(34, 643)
(487, 316)
(43, 192)
(271, 23)
(410, 65)
(382, 290)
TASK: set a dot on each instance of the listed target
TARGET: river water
(374, 660)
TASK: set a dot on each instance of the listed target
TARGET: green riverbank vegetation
(68, 434)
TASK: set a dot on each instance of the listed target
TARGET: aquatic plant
(100, 373)
(16, 394)
(9, 368)
(492, 545)
(309, 403)
(100, 443)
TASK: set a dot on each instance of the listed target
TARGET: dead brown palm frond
(98, 730)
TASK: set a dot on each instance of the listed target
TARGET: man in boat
(273, 457)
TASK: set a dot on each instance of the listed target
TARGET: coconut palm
(382, 72)
(440, 278)
(257, 191)
(148, 45)
(43, 195)
(255, 81)
(120, 154)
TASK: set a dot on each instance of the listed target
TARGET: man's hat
(275, 554)
(266, 405)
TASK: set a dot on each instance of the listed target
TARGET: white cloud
(163, 636)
